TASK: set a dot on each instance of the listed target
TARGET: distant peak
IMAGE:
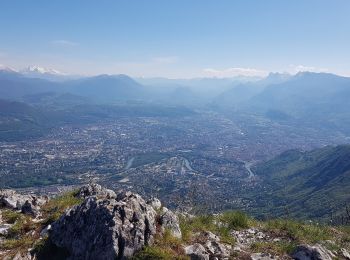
(41, 70)
(7, 69)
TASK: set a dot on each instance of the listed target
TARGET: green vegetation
(313, 185)
(19, 237)
(235, 219)
(221, 225)
(57, 206)
(10, 216)
(298, 231)
(279, 247)
(165, 247)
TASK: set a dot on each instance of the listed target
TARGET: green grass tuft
(10, 216)
(303, 233)
(57, 206)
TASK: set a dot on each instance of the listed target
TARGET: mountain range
(311, 184)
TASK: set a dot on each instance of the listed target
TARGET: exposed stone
(170, 221)
(28, 204)
(261, 256)
(4, 229)
(155, 203)
(197, 252)
(94, 189)
(345, 253)
(215, 248)
(104, 228)
(23, 256)
(307, 252)
(45, 231)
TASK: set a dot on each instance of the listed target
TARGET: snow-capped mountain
(41, 70)
(7, 69)
(44, 73)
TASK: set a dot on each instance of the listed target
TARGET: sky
(178, 38)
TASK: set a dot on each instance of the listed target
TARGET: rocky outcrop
(197, 252)
(94, 189)
(209, 247)
(27, 204)
(107, 225)
(168, 220)
(307, 252)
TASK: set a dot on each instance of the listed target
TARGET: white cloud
(234, 72)
(64, 43)
(302, 68)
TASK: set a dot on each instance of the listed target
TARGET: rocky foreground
(97, 223)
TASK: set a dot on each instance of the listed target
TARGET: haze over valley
(184, 129)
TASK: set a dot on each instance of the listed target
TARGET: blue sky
(178, 38)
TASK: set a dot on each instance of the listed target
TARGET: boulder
(307, 252)
(4, 228)
(197, 252)
(170, 221)
(28, 204)
(105, 228)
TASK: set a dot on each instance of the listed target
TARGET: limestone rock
(170, 221)
(307, 252)
(197, 252)
(104, 227)
(28, 204)
(4, 229)
(155, 203)
(94, 189)
(345, 253)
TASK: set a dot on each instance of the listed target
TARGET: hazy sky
(178, 38)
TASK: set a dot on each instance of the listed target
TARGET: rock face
(307, 252)
(28, 204)
(106, 225)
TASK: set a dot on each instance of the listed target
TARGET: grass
(221, 225)
(156, 253)
(21, 243)
(298, 231)
(279, 248)
(10, 216)
(235, 220)
(165, 247)
(23, 225)
(55, 207)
